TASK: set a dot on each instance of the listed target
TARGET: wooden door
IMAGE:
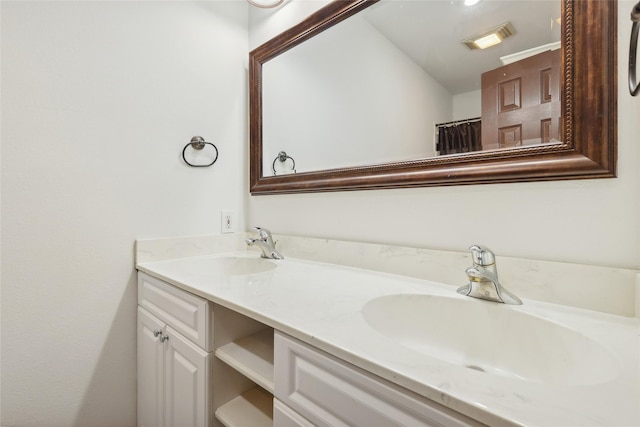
(521, 102)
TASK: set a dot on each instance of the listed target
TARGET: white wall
(584, 221)
(98, 100)
(467, 105)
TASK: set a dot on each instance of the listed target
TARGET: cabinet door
(187, 391)
(150, 370)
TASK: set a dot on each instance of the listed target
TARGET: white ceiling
(430, 32)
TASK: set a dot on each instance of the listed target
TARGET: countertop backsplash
(604, 289)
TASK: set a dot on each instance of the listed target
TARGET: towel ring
(634, 86)
(282, 156)
(198, 143)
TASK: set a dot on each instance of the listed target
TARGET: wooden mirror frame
(589, 108)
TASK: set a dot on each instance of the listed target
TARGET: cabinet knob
(157, 332)
(163, 338)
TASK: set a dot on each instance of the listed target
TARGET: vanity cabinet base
(201, 364)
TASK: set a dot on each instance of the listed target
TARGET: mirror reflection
(403, 80)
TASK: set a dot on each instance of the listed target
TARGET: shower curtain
(459, 138)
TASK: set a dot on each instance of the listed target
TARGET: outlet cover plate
(228, 221)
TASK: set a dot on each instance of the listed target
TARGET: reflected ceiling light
(490, 38)
(471, 2)
(266, 4)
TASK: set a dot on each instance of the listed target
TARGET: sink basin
(227, 266)
(492, 338)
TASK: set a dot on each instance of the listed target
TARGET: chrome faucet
(265, 243)
(483, 279)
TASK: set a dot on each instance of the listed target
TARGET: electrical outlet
(228, 222)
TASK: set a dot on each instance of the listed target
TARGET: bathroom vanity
(233, 339)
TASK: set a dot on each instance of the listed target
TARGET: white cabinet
(188, 314)
(204, 365)
(186, 391)
(174, 374)
(150, 370)
(329, 392)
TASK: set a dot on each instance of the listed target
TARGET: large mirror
(386, 94)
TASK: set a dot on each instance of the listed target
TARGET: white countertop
(321, 304)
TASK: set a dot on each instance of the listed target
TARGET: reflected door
(521, 102)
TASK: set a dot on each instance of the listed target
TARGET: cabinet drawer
(188, 314)
(283, 416)
(329, 392)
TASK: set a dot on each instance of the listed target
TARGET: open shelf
(252, 356)
(252, 408)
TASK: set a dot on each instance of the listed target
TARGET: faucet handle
(482, 256)
(262, 232)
